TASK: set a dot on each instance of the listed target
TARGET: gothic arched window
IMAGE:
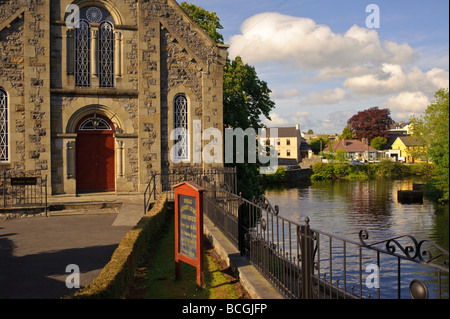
(181, 151)
(83, 54)
(106, 55)
(95, 48)
(4, 139)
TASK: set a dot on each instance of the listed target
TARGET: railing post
(307, 260)
(4, 188)
(45, 185)
(154, 186)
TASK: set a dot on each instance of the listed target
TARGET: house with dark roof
(356, 150)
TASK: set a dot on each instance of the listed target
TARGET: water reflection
(344, 208)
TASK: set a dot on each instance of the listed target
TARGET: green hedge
(386, 168)
(118, 274)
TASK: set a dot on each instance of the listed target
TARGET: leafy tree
(431, 130)
(347, 133)
(318, 144)
(208, 21)
(371, 123)
(246, 97)
(310, 131)
(378, 142)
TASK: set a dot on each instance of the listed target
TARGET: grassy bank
(155, 279)
(343, 170)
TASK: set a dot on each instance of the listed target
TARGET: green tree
(318, 144)
(310, 131)
(208, 21)
(378, 142)
(347, 133)
(431, 130)
(246, 97)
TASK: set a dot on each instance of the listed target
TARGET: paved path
(34, 252)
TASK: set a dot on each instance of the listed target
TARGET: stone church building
(91, 102)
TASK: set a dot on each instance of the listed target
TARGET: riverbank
(385, 168)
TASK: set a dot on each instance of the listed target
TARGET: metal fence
(302, 262)
(163, 182)
(23, 190)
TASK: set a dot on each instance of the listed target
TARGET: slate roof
(285, 132)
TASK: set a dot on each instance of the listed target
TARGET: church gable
(188, 34)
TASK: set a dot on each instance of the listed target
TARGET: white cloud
(406, 104)
(276, 120)
(328, 96)
(287, 94)
(393, 80)
(301, 42)
(298, 117)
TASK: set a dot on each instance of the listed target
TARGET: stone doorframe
(122, 138)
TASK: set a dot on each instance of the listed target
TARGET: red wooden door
(95, 160)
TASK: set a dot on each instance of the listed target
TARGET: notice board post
(189, 228)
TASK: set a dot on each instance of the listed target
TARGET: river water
(343, 208)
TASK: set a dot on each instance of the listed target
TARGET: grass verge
(155, 279)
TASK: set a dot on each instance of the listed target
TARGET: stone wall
(25, 76)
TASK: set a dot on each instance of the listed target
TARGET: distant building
(407, 145)
(308, 137)
(288, 143)
(404, 127)
(356, 150)
(396, 130)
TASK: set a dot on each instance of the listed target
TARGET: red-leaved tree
(371, 123)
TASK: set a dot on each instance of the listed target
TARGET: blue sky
(323, 64)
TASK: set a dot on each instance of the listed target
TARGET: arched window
(181, 151)
(106, 54)
(4, 139)
(83, 55)
(95, 124)
(94, 48)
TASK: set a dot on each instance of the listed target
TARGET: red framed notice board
(189, 228)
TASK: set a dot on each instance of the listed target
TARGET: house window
(288, 142)
(288, 153)
(106, 55)
(4, 152)
(83, 55)
(181, 147)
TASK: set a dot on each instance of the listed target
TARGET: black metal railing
(163, 182)
(23, 190)
(302, 262)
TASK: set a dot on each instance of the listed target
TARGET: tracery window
(4, 144)
(181, 125)
(83, 54)
(95, 48)
(95, 124)
(106, 55)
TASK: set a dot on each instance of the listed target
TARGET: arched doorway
(95, 154)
